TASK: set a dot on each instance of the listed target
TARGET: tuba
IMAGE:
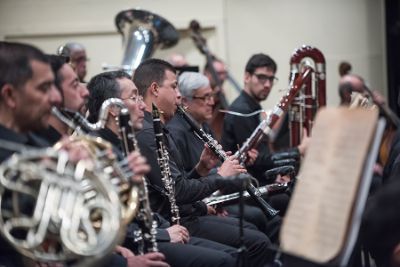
(54, 209)
(142, 33)
(312, 94)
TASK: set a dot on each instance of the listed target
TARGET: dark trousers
(225, 230)
(251, 214)
(198, 253)
(256, 216)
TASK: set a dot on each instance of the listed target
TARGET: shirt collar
(252, 103)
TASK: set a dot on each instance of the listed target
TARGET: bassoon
(265, 126)
(303, 108)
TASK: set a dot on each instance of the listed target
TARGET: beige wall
(350, 30)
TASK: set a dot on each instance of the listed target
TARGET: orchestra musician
(259, 79)
(77, 54)
(198, 100)
(27, 93)
(173, 241)
(74, 97)
(157, 83)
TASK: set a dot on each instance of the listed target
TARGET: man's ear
(154, 88)
(8, 96)
(247, 77)
(114, 111)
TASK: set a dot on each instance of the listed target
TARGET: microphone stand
(242, 260)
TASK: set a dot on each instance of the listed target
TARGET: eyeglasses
(135, 98)
(262, 78)
(206, 97)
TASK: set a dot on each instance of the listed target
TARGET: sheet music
(320, 211)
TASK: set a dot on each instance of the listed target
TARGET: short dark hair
(56, 63)
(380, 230)
(258, 61)
(102, 87)
(149, 71)
(15, 59)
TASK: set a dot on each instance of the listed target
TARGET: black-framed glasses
(262, 78)
(206, 97)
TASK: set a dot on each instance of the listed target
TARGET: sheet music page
(319, 213)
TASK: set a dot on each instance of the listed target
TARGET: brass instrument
(53, 209)
(163, 162)
(142, 32)
(312, 94)
(120, 179)
(148, 227)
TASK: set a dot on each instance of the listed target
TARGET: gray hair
(188, 82)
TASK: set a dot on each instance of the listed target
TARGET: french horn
(119, 174)
(57, 210)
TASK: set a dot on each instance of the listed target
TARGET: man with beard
(174, 241)
(27, 93)
(259, 79)
(74, 97)
(157, 83)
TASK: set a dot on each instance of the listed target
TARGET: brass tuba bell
(142, 32)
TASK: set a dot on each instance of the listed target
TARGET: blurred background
(362, 32)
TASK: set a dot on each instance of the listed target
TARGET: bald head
(347, 84)
(177, 60)
(356, 82)
(77, 54)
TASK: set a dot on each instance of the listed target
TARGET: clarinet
(163, 162)
(213, 145)
(265, 190)
(265, 126)
(148, 226)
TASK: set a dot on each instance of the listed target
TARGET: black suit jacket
(188, 191)
(237, 129)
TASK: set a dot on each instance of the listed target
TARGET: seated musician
(77, 54)
(174, 241)
(197, 99)
(74, 97)
(157, 83)
(27, 95)
(259, 79)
